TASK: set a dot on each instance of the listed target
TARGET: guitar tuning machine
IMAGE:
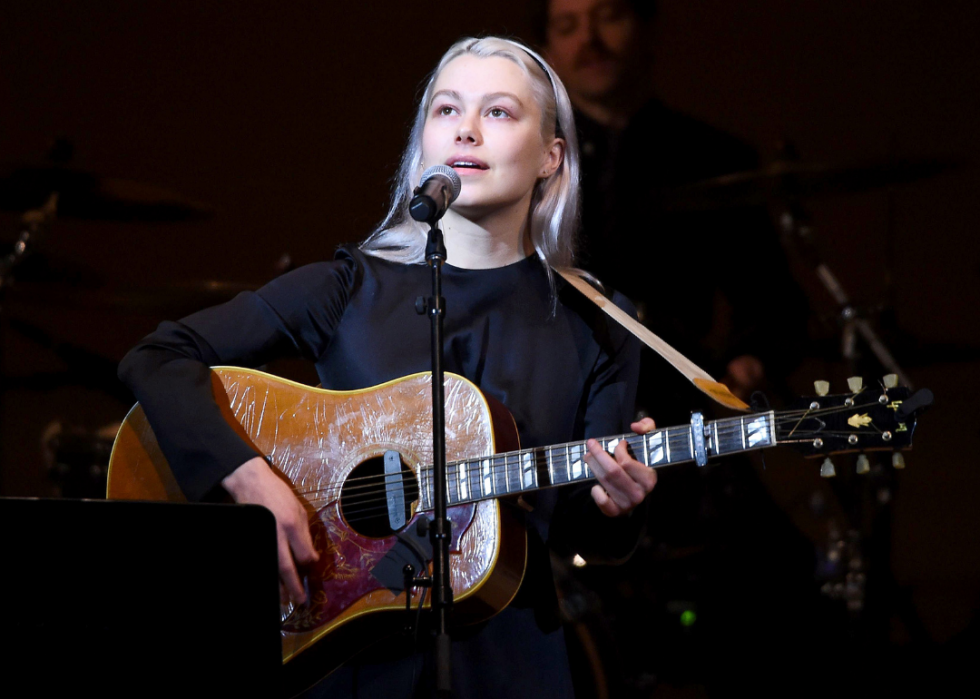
(827, 469)
(862, 466)
(855, 383)
(822, 388)
(887, 381)
(898, 460)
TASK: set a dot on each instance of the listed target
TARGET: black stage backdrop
(289, 118)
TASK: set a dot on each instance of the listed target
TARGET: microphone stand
(441, 529)
(439, 187)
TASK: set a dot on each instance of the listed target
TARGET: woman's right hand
(255, 483)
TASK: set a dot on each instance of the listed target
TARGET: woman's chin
(474, 200)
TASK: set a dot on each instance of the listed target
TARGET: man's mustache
(591, 53)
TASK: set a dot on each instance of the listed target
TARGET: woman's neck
(494, 239)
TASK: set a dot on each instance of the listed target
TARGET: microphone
(438, 189)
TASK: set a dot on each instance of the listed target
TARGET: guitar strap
(699, 377)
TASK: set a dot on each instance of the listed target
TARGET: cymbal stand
(34, 224)
(867, 506)
(795, 224)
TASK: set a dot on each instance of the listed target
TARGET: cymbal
(85, 195)
(783, 180)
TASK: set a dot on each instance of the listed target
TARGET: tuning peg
(821, 387)
(890, 380)
(898, 461)
(827, 469)
(855, 383)
(863, 465)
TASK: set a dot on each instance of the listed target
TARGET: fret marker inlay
(464, 486)
(487, 479)
(655, 447)
(576, 459)
(758, 432)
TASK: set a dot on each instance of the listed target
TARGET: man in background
(713, 282)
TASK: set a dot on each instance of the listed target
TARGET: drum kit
(76, 458)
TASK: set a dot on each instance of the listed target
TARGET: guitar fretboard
(544, 467)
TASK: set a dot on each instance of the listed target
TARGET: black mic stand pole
(441, 528)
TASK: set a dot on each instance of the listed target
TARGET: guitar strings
(726, 427)
(733, 427)
(510, 464)
(363, 509)
(375, 502)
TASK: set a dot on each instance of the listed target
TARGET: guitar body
(328, 444)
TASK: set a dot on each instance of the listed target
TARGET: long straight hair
(553, 216)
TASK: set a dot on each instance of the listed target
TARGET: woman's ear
(553, 157)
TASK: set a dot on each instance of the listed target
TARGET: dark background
(289, 118)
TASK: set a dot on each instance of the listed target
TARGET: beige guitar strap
(699, 377)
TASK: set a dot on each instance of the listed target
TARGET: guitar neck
(532, 469)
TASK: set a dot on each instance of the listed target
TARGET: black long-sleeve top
(564, 370)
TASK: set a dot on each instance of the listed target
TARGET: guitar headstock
(878, 417)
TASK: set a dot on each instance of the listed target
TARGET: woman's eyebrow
(452, 94)
(497, 95)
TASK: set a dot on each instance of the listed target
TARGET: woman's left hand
(623, 481)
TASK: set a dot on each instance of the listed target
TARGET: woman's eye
(497, 113)
(445, 111)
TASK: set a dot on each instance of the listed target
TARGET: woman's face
(485, 123)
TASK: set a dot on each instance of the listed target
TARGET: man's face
(594, 45)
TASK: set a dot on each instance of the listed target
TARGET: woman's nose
(469, 132)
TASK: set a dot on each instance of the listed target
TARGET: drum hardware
(77, 459)
(855, 559)
(52, 190)
(87, 196)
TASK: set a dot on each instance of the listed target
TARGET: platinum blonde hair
(553, 216)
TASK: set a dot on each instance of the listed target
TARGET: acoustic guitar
(359, 462)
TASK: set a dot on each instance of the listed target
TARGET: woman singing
(500, 117)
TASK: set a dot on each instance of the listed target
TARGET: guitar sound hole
(364, 501)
